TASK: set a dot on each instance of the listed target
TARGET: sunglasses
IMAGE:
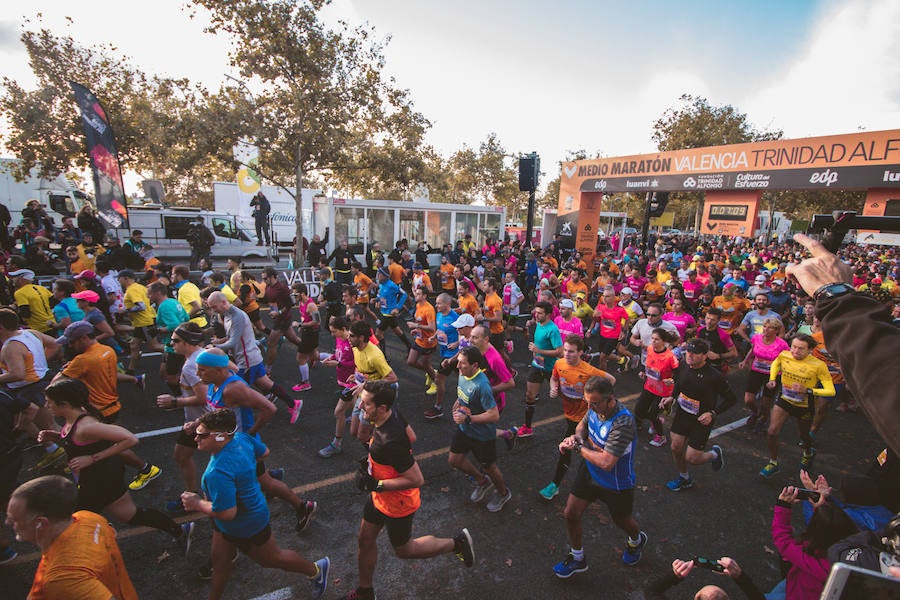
(203, 435)
(176, 340)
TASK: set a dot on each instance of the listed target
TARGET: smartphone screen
(860, 585)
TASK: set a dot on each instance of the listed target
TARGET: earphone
(220, 438)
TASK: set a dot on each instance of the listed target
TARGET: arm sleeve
(827, 390)
(790, 549)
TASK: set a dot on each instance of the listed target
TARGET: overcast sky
(556, 76)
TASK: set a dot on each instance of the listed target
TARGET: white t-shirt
(110, 283)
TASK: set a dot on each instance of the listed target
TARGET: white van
(166, 229)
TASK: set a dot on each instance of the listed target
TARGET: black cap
(697, 346)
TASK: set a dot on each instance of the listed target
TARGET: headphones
(220, 437)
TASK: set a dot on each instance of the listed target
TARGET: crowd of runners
(679, 317)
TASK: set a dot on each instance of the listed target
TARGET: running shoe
(550, 492)
(305, 514)
(463, 547)
(302, 386)
(320, 581)
(770, 469)
(141, 480)
(330, 450)
(428, 381)
(718, 463)
(570, 566)
(481, 490)
(807, 458)
(525, 432)
(175, 507)
(659, 441)
(497, 503)
(51, 458)
(187, 534)
(433, 413)
(432, 389)
(8, 555)
(632, 554)
(509, 437)
(682, 483)
(140, 381)
(295, 410)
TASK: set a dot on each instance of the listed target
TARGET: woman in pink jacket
(807, 555)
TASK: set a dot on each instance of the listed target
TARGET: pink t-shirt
(692, 290)
(499, 373)
(565, 328)
(681, 322)
(343, 353)
(763, 354)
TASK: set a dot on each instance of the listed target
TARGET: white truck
(60, 196)
(283, 217)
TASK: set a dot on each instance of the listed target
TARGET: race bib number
(653, 374)
(442, 337)
(794, 394)
(689, 294)
(571, 391)
(764, 366)
(688, 404)
(538, 360)
(608, 323)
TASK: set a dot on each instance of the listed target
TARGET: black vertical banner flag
(101, 148)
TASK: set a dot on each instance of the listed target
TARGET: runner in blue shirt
(446, 335)
(605, 438)
(391, 300)
(546, 348)
(235, 502)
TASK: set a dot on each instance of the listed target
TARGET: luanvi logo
(569, 171)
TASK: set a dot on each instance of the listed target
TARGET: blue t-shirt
(390, 297)
(476, 395)
(447, 333)
(68, 307)
(546, 337)
(170, 314)
(230, 480)
(617, 436)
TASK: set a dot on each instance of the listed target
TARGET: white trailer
(283, 218)
(60, 197)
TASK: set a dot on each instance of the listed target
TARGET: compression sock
(282, 394)
(562, 467)
(529, 414)
(149, 517)
(304, 373)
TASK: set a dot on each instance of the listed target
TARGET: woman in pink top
(764, 349)
(807, 555)
(683, 322)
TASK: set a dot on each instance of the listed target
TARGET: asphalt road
(725, 514)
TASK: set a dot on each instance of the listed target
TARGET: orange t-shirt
(660, 367)
(493, 307)
(732, 311)
(362, 283)
(468, 304)
(425, 315)
(447, 281)
(574, 288)
(84, 562)
(653, 291)
(96, 368)
(821, 352)
(571, 386)
(396, 272)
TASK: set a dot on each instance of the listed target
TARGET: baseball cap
(877, 280)
(627, 291)
(566, 303)
(74, 331)
(778, 282)
(760, 279)
(88, 295)
(126, 273)
(697, 346)
(581, 295)
(464, 320)
(26, 273)
(728, 286)
(86, 274)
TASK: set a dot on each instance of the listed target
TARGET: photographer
(261, 209)
(201, 240)
(656, 587)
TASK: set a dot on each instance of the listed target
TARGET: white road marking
(726, 428)
(156, 432)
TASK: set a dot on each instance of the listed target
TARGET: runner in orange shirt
(492, 311)
(567, 381)
(658, 381)
(423, 331)
(448, 284)
(732, 308)
(467, 302)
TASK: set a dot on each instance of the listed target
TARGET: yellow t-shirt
(797, 376)
(37, 299)
(229, 293)
(188, 293)
(133, 295)
(370, 362)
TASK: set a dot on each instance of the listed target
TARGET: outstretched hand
(820, 269)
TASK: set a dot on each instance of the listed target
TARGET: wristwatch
(833, 290)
